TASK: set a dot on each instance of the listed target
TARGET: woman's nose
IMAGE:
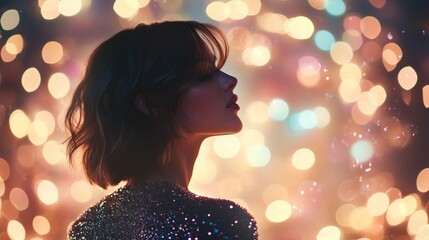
(229, 82)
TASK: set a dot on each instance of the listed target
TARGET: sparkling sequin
(163, 210)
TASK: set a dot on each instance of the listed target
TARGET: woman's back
(163, 210)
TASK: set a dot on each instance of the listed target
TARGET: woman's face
(210, 106)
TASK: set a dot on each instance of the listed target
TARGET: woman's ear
(140, 105)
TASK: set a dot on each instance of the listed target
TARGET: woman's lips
(233, 103)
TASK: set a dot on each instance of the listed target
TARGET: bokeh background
(334, 98)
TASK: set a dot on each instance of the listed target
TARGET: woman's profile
(149, 97)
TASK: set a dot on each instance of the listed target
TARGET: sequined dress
(163, 210)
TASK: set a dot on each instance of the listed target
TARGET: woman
(149, 97)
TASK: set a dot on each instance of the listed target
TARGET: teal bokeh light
(362, 151)
(335, 7)
(324, 40)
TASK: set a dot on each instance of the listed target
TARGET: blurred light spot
(58, 85)
(407, 78)
(6, 56)
(226, 146)
(411, 202)
(425, 90)
(323, 117)
(417, 222)
(50, 9)
(278, 211)
(19, 123)
(4, 170)
(371, 51)
(253, 6)
(366, 104)
(217, 11)
(15, 44)
(378, 3)
(237, 9)
(47, 192)
(278, 109)
(15, 230)
(349, 91)
(251, 137)
(342, 215)
(377, 204)
(335, 7)
(52, 52)
(423, 234)
(300, 27)
(205, 171)
(307, 119)
(19, 199)
(308, 71)
(238, 37)
(274, 192)
(48, 119)
(38, 132)
(258, 155)
(370, 27)
(126, 8)
(303, 159)
(256, 56)
(31, 79)
(54, 152)
(70, 8)
(257, 112)
(350, 71)
(377, 95)
(2, 188)
(348, 189)
(341, 52)
(352, 22)
(329, 232)
(422, 181)
(272, 22)
(26, 156)
(318, 4)
(81, 191)
(360, 218)
(353, 38)
(324, 40)
(41, 225)
(391, 56)
(362, 151)
(396, 213)
(10, 19)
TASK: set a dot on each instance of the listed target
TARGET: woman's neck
(179, 167)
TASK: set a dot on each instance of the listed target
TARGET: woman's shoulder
(159, 209)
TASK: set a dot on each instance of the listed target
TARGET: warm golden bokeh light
(342, 215)
(16, 230)
(256, 56)
(341, 53)
(237, 9)
(54, 152)
(257, 112)
(318, 4)
(349, 91)
(47, 192)
(353, 38)
(81, 191)
(15, 44)
(407, 77)
(370, 27)
(217, 10)
(418, 222)
(52, 52)
(19, 123)
(300, 27)
(425, 94)
(58, 85)
(303, 159)
(19, 199)
(126, 8)
(41, 225)
(70, 8)
(396, 213)
(31, 79)
(278, 211)
(272, 22)
(50, 9)
(377, 204)
(422, 181)
(329, 233)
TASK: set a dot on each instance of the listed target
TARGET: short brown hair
(157, 62)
